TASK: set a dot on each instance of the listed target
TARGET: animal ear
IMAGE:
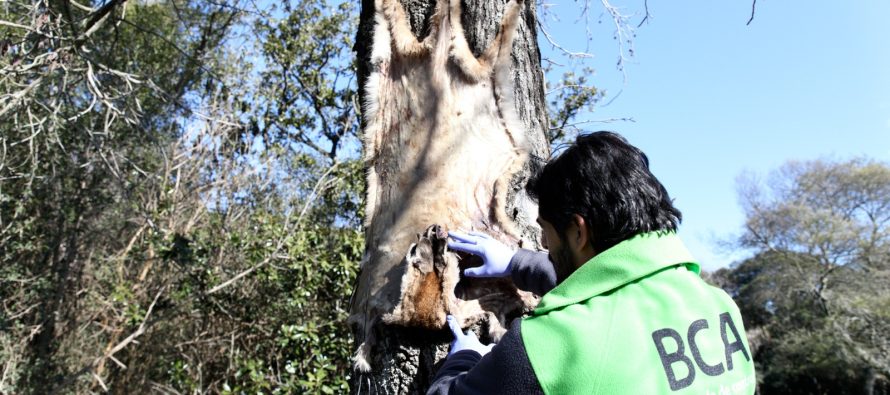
(435, 231)
(418, 236)
(425, 250)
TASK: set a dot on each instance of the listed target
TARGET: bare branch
(753, 8)
(139, 331)
(552, 42)
(607, 120)
(646, 16)
(624, 34)
(320, 184)
(98, 18)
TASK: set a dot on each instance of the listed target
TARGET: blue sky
(712, 97)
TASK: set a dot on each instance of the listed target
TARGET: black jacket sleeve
(532, 271)
(504, 370)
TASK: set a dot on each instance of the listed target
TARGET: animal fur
(427, 287)
(431, 274)
(442, 142)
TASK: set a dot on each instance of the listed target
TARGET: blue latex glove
(463, 341)
(495, 256)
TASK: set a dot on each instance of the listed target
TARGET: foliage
(572, 96)
(181, 195)
(815, 295)
(150, 241)
(309, 95)
(83, 142)
(282, 327)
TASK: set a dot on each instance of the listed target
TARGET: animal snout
(436, 231)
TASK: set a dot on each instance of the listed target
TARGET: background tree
(81, 132)
(572, 96)
(155, 233)
(815, 295)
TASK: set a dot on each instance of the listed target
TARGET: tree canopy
(815, 294)
(158, 230)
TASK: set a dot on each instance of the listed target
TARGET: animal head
(430, 253)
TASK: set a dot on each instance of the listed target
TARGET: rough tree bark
(404, 359)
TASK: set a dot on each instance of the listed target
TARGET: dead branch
(753, 8)
(139, 331)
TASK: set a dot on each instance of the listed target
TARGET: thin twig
(101, 382)
(580, 55)
(646, 16)
(140, 330)
(274, 255)
(567, 86)
(609, 120)
(623, 34)
(753, 8)
(240, 275)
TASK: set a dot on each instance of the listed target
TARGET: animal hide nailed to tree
(442, 142)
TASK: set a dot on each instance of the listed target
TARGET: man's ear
(579, 233)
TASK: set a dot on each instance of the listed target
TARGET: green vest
(637, 319)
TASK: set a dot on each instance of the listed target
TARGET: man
(623, 309)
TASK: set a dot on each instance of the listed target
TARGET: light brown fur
(442, 142)
(431, 274)
(427, 287)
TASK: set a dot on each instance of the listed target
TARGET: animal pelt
(427, 287)
(442, 141)
(431, 275)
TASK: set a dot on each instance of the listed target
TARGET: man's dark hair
(606, 181)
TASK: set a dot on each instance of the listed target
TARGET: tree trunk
(448, 141)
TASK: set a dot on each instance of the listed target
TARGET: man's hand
(463, 341)
(495, 256)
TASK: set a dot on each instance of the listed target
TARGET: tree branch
(753, 8)
(646, 16)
